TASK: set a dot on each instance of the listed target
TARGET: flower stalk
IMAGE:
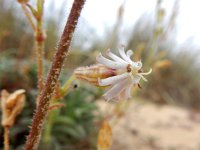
(53, 75)
(39, 33)
(39, 40)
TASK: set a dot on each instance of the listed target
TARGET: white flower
(128, 74)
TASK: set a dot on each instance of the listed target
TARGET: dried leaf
(104, 136)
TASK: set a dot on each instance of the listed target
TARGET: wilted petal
(113, 80)
(109, 63)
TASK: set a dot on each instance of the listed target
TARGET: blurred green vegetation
(75, 126)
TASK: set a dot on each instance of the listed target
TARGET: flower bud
(92, 73)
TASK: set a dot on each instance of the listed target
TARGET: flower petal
(113, 80)
(109, 63)
(115, 90)
(123, 55)
(129, 53)
(136, 79)
(128, 92)
(115, 57)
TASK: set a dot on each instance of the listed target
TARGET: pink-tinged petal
(115, 90)
(113, 80)
(123, 54)
(109, 63)
(115, 57)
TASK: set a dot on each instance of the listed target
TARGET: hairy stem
(39, 42)
(53, 75)
(39, 38)
(39, 47)
(6, 138)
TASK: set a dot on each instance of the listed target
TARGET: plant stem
(39, 39)
(6, 138)
(65, 88)
(39, 42)
(53, 75)
(28, 15)
(52, 114)
(39, 47)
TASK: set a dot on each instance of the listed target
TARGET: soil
(147, 126)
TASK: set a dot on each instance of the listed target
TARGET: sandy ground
(146, 126)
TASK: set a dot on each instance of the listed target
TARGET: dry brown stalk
(53, 75)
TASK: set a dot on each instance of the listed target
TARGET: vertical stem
(39, 42)
(53, 75)
(6, 138)
(39, 47)
(39, 39)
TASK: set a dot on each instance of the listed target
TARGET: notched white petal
(128, 92)
(113, 80)
(109, 63)
(136, 79)
(115, 90)
(123, 54)
(129, 53)
(115, 57)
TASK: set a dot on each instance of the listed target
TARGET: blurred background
(165, 34)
